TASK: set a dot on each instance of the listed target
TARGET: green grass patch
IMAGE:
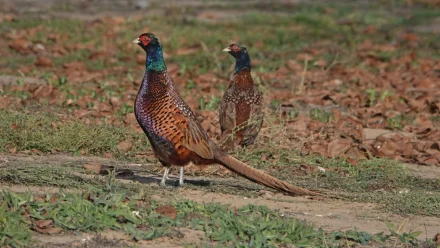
(112, 207)
(14, 62)
(46, 175)
(281, 35)
(23, 131)
(65, 26)
(383, 181)
(14, 231)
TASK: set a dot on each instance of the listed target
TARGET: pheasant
(176, 136)
(241, 113)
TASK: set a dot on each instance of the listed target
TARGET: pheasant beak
(136, 41)
(226, 50)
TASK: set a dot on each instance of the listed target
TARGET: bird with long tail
(177, 138)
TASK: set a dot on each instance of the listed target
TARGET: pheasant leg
(181, 176)
(165, 176)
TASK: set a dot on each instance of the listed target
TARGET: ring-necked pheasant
(175, 134)
(241, 113)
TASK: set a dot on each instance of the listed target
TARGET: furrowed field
(352, 108)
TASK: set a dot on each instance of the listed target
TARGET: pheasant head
(151, 45)
(242, 60)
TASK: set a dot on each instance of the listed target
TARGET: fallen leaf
(93, 167)
(14, 126)
(12, 150)
(186, 51)
(44, 62)
(437, 238)
(20, 45)
(75, 65)
(43, 223)
(49, 230)
(140, 59)
(338, 147)
(107, 155)
(98, 168)
(167, 210)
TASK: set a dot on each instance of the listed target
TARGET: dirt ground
(329, 214)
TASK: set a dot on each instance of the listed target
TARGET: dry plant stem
(301, 84)
(334, 62)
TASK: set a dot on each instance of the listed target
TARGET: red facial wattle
(145, 40)
(235, 48)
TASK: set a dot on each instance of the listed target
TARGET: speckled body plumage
(163, 114)
(175, 134)
(241, 114)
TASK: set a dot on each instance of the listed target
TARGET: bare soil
(329, 214)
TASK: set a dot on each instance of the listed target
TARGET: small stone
(141, 4)
(156, 198)
(125, 146)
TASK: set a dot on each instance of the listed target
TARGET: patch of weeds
(274, 157)
(435, 120)
(420, 16)
(62, 25)
(385, 94)
(13, 227)
(407, 238)
(26, 132)
(80, 55)
(190, 84)
(382, 181)
(275, 104)
(385, 56)
(88, 211)
(320, 115)
(258, 226)
(211, 104)
(293, 113)
(372, 96)
(76, 212)
(420, 202)
(255, 226)
(395, 122)
(14, 62)
(112, 206)
(96, 65)
(124, 109)
(44, 175)
(360, 237)
(62, 80)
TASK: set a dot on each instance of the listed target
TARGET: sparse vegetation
(48, 134)
(113, 207)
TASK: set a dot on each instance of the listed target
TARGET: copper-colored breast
(241, 108)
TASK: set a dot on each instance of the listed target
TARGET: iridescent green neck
(242, 61)
(155, 61)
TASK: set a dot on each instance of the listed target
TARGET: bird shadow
(156, 179)
(172, 181)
